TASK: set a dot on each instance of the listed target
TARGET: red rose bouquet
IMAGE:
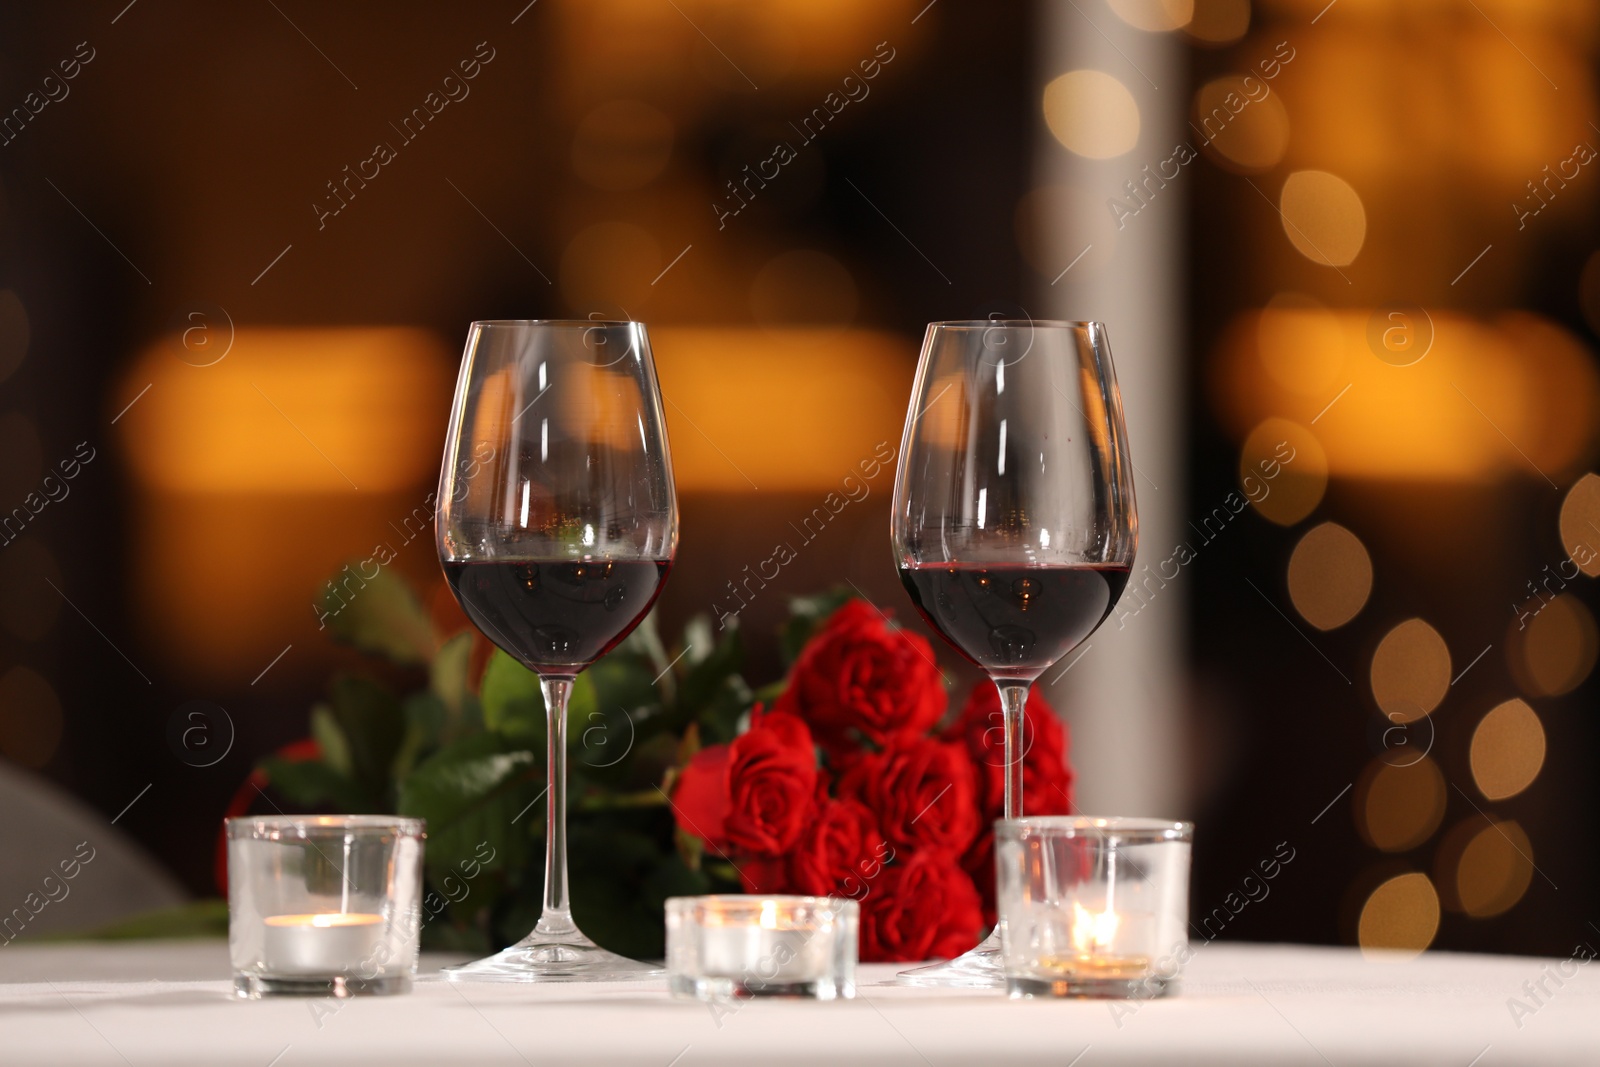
(844, 789)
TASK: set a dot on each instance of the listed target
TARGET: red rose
(922, 908)
(1046, 775)
(700, 800)
(839, 853)
(772, 784)
(858, 674)
(921, 791)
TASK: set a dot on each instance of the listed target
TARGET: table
(170, 1003)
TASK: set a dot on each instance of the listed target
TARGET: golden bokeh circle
(803, 288)
(1323, 217)
(1398, 807)
(620, 145)
(1300, 343)
(1508, 750)
(1154, 15)
(1243, 121)
(1580, 524)
(1092, 114)
(1410, 671)
(1552, 645)
(30, 717)
(1219, 22)
(1494, 869)
(1401, 915)
(1330, 576)
(1283, 471)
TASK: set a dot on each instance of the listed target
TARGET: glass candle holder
(1093, 907)
(749, 946)
(324, 905)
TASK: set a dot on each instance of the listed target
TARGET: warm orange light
(775, 411)
(1507, 750)
(1092, 114)
(1401, 915)
(288, 411)
(1473, 402)
(1330, 576)
(1399, 806)
(1410, 671)
(1323, 217)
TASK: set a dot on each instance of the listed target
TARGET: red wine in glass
(1013, 622)
(557, 616)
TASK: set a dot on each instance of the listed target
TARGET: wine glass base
(553, 958)
(978, 968)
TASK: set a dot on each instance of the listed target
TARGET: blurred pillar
(1121, 266)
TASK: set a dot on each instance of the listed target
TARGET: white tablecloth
(171, 1004)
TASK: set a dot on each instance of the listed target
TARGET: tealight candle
(324, 944)
(324, 905)
(721, 946)
(1093, 907)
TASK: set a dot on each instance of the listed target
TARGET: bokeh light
(1092, 113)
(1399, 806)
(1154, 15)
(288, 410)
(1300, 342)
(30, 717)
(623, 144)
(1508, 750)
(1283, 471)
(1484, 401)
(1554, 650)
(1248, 130)
(1323, 217)
(1410, 671)
(14, 333)
(1330, 576)
(1484, 866)
(1401, 915)
(1580, 524)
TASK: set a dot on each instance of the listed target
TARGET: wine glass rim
(558, 323)
(986, 324)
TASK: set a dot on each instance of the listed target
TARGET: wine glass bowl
(1014, 525)
(556, 528)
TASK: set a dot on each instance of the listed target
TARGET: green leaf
(373, 726)
(330, 739)
(379, 614)
(426, 721)
(474, 791)
(806, 613)
(720, 714)
(707, 676)
(315, 786)
(447, 674)
(512, 704)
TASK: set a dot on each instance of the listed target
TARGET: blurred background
(1346, 252)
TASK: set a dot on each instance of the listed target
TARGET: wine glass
(556, 527)
(1013, 525)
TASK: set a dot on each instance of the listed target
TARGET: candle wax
(324, 944)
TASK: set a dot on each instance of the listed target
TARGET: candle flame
(769, 915)
(1093, 931)
(323, 920)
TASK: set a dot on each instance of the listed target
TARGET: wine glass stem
(557, 916)
(1013, 697)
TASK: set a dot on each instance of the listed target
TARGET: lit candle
(1094, 947)
(325, 944)
(774, 948)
